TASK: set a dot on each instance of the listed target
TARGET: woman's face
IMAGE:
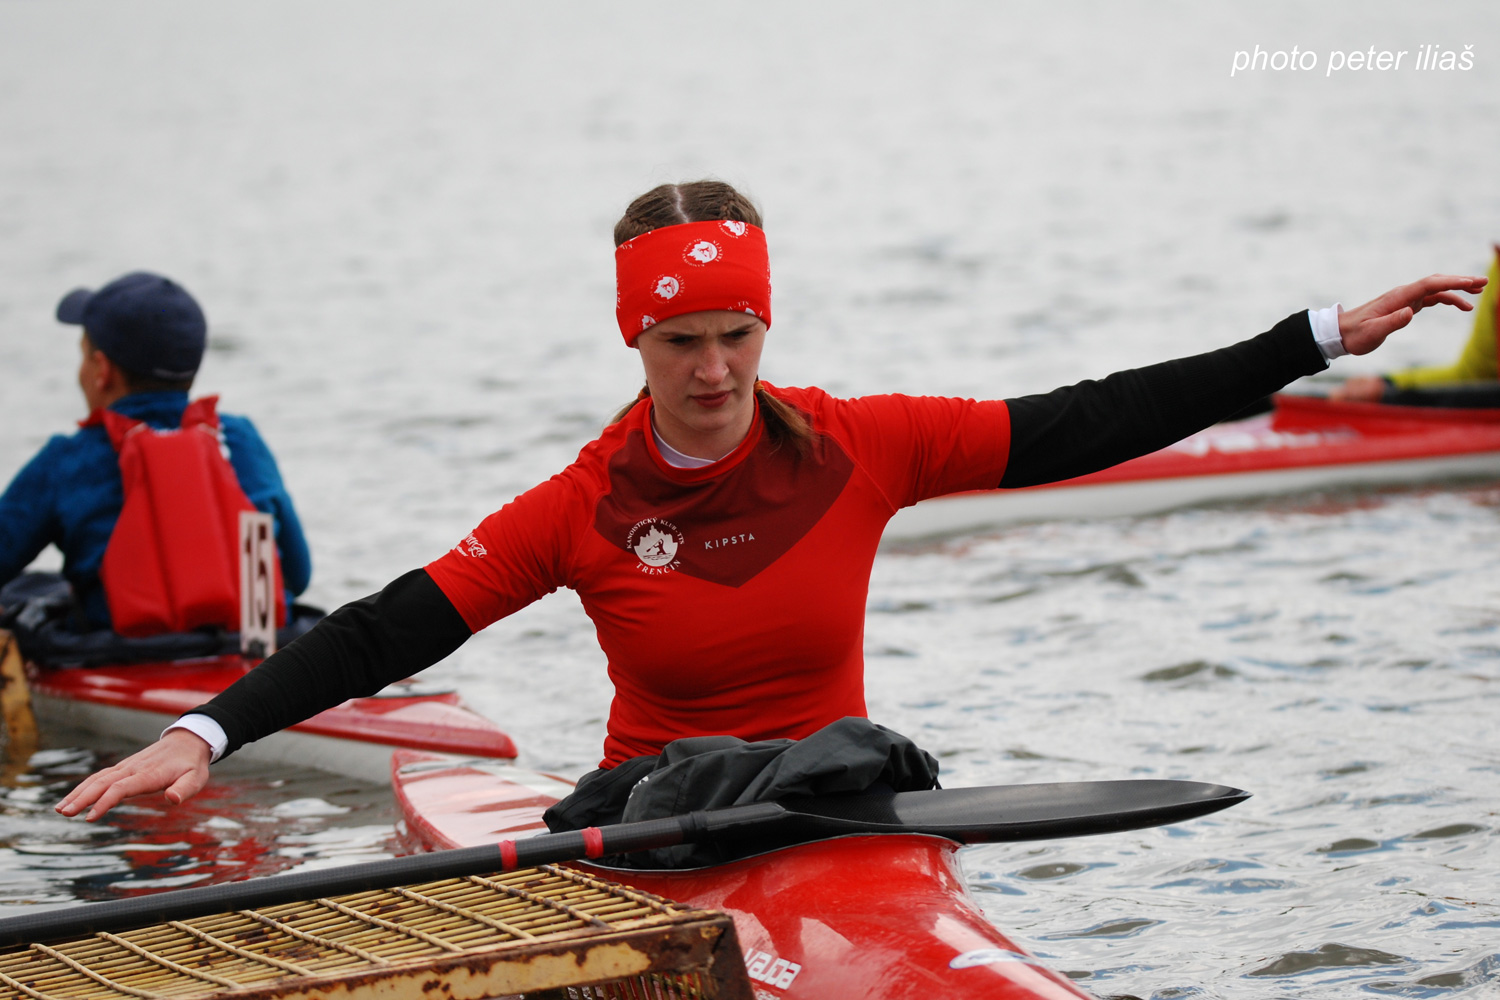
(701, 369)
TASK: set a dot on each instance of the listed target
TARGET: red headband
(691, 268)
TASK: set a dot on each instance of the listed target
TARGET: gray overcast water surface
(397, 217)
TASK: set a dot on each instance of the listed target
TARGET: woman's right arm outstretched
(354, 652)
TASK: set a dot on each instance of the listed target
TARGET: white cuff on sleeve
(1325, 328)
(206, 729)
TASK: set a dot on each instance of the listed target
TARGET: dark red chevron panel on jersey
(723, 528)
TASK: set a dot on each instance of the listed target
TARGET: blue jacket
(71, 493)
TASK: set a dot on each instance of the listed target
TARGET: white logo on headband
(733, 228)
(667, 287)
(647, 322)
(702, 252)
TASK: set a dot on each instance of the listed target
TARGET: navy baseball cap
(146, 324)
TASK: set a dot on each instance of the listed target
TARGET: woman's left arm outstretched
(1093, 425)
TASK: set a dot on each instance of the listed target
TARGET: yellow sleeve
(1477, 362)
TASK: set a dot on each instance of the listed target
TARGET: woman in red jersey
(721, 532)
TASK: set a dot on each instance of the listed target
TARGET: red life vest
(172, 563)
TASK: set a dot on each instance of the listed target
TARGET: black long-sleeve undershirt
(1090, 426)
(1071, 431)
(354, 652)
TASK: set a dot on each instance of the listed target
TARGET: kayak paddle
(968, 815)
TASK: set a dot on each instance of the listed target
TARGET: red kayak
(1304, 443)
(853, 917)
(356, 738)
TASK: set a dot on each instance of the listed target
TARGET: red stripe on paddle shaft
(593, 842)
(508, 856)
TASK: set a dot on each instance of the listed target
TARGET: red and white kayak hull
(1305, 444)
(853, 917)
(356, 738)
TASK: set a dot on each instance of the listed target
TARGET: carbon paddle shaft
(968, 815)
(184, 904)
(623, 838)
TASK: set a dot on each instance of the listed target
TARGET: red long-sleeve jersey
(729, 599)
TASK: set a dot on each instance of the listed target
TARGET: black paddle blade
(1016, 812)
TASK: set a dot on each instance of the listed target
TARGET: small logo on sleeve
(655, 543)
(471, 547)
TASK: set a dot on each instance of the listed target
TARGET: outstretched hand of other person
(1360, 389)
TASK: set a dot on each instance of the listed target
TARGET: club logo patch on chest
(655, 543)
(722, 529)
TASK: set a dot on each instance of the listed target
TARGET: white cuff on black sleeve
(1325, 328)
(207, 730)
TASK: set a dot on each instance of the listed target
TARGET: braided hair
(710, 201)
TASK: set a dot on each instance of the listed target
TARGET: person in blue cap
(143, 340)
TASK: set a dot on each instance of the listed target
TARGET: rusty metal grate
(547, 932)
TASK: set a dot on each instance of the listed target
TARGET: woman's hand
(178, 763)
(1366, 328)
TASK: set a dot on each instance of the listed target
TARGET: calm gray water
(398, 216)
